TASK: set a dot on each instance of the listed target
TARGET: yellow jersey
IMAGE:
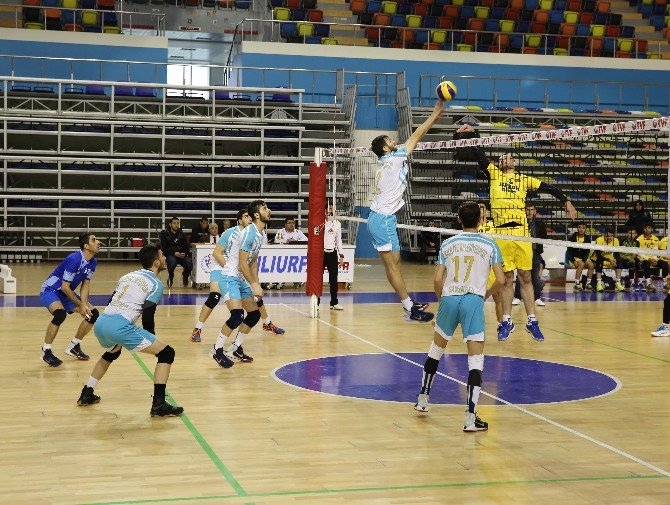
(663, 244)
(647, 243)
(508, 197)
(609, 256)
(487, 228)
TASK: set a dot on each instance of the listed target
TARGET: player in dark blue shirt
(58, 296)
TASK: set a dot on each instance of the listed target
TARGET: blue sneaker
(505, 329)
(420, 305)
(418, 315)
(533, 328)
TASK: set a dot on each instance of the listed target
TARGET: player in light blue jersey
(138, 293)
(461, 277)
(58, 295)
(387, 199)
(240, 287)
(219, 260)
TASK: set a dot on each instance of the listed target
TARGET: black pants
(538, 283)
(331, 261)
(173, 261)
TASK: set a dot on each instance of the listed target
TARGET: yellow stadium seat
(458, 2)
(113, 30)
(438, 36)
(571, 17)
(305, 29)
(464, 47)
(89, 18)
(530, 161)
(506, 26)
(546, 5)
(625, 44)
(389, 7)
(69, 4)
(329, 41)
(33, 26)
(482, 12)
(558, 51)
(501, 125)
(533, 40)
(413, 21)
(473, 107)
(653, 56)
(652, 113)
(282, 14)
(565, 111)
(597, 30)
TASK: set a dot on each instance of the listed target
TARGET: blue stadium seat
(492, 25)
(321, 30)
(287, 30)
(398, 20)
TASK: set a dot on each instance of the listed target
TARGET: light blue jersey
(250, 240)
(390, 182)
(133, 290)
(226, 241)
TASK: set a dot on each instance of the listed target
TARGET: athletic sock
(507, 317)
(531, 318)
(407, 303)
(92, 382)
(199, 325)
(221, 339)
(46, 347)
(159, 393)
(267, 320)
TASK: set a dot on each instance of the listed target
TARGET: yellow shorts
(516, 254)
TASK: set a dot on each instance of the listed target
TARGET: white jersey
(250, 240)
(468, 258)
(133, 290)
(390, 182)
(283, 236)
(226, 241)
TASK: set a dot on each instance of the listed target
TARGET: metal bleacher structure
(118, 159)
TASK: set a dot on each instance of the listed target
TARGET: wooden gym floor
(247, 437)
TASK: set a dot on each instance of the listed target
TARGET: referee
(332, 254)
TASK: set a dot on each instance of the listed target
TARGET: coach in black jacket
(176, 251)
(537, 229)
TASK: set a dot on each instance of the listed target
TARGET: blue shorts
(382, 229)
(231, 288)
(48, 296)
(466, 310)
(115, 329)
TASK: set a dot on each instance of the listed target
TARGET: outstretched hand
(439, 107)
(465, 128)
(572, 212)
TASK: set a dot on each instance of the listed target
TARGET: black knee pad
(252, 318)
(430, 366)
(475, 378)
(59, 317)
(213, 300)
(236, 318)
(111, 356)
(259, 302)
(94, 316)
(166, 355)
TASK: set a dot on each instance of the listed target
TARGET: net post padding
(317, 213)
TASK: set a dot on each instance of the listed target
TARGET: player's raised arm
(482, 160)
(559, 195)
(418, 134)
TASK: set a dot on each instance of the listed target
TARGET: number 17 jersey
(467, 258)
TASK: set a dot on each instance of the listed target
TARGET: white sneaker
(516, 301)
(539, 302)
(662, 331)
(422, 403)
(336, 307)
(473, 423)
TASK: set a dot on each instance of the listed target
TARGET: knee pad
(252, 318)
(59, 317)
(213, 300)
(430, 367)
(166, 355)
(94, 316)
(476, 362)
(259, 302)
(111, 356)
(475, 378)
(236, 318)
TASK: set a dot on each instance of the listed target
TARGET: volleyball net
(603, 168)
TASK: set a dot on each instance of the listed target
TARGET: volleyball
(446, 91)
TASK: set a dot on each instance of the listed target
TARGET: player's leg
(664, 329)
(206, 310)
(331, 260)
(445, 324)
(165, 355)
(532, 326)
(536, 279)
(88, 396)
(233, 323)
(471, 318)
(268, 325)
(86, 325)
(506, 295)
(52, 302)
(235, 351)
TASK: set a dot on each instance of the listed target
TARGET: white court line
(517, 407)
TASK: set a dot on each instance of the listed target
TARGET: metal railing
(127, 21)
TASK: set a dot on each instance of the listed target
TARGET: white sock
(199, 325)
(407, 303)
(92, 382)
(237, 343)
(507, 317)
(531, 317)
(473, 398)
(46, 347)
(75, 341)
(221, 339)
(666, 325)
(267, 320)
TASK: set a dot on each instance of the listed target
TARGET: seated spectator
(639, 217)
(213, 233)
(225, 225)
(605, 259)
(429, 241)
(630, 261)
(647, 241)
(289, 234)
(200, 233)
(176, 251)
(579, 258)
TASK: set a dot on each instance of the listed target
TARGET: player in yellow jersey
(647, 241)
(486, 226)
(507, 190)
(605, 259)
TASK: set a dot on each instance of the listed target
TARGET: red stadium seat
(568, 29)
(574, 5)
(536, 27)
(315, 16)
(540, 16)
(595, 44)
(500, 40)
(623, 54)
(475, 24)
(512, 14)
(420, 9)
(585, 18)
(371, 33)
(431, 46)
(293, 4)
(612, 31)
(516, 4)
(357, 6)
(450, 11)
(603, 7)
(445, 23)
(405, 36)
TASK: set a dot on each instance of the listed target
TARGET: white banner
(276, 263)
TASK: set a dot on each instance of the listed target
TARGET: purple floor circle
(386, 377)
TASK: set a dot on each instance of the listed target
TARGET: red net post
(317, 209)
